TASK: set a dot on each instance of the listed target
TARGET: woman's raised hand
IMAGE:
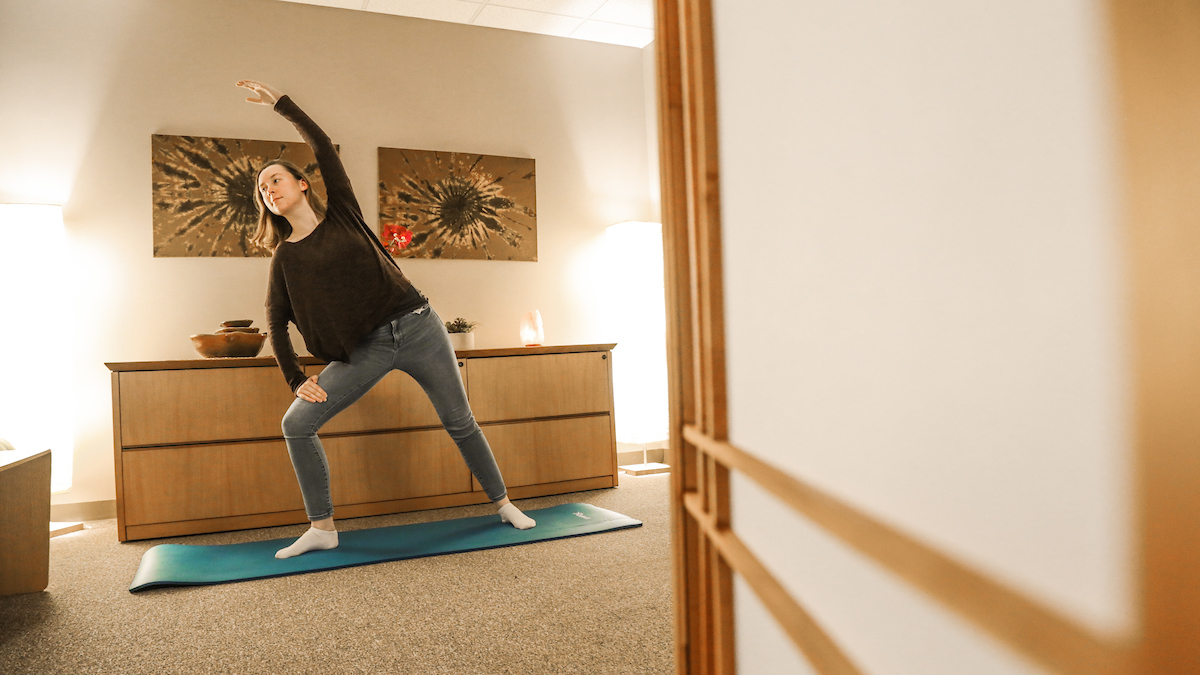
(267, 95)
(311, 391)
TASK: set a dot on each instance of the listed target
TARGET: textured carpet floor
(594, 605)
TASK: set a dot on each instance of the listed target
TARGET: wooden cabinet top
(260, 361)
(11, 459)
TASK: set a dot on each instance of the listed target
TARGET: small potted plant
(461, 336)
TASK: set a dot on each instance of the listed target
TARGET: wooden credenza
(198, 444)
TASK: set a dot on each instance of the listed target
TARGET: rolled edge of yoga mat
(196, 565)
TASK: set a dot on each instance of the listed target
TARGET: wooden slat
(724, 643)
(688, 383)
(692, 637)
(717, 604)
(719, 502)
(704, 213)
(1040, 633)
(674, 210)
(1156, 46)
(705, 648)
(816, 645)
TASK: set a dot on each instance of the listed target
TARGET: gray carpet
(596, 604)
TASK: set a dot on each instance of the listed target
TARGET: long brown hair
(273, 229)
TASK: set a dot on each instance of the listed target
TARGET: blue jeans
(417, 344)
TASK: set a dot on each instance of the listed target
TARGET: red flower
(396, 237)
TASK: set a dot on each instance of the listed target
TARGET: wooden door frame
(1156, 58)
(691, 249)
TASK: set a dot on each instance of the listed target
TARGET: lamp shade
(638, 324)
(532, 334)
(36, 408)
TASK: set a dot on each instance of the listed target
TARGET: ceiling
(619, 22)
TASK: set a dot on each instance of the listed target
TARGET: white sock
(313, 540)
(511, 514)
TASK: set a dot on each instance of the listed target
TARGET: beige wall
(925, 311)
(85, 85)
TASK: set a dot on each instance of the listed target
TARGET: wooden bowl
(228, 345)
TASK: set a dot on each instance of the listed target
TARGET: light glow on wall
(637, 305)
(37, 332)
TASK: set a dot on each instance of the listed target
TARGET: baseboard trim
(81, 511)
(652, 455)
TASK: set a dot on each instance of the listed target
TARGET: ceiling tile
(524, 20)
(629, 12)
(613, 33)
(341, 4)
(577, 8)
(456, 11)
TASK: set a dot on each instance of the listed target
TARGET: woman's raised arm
(337, 183)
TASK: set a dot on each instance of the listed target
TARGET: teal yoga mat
(186, 565)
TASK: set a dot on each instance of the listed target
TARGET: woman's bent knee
(462, 428)
(297, 423)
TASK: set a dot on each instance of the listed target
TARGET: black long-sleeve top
(338, 283)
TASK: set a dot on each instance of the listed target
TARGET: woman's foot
(511, 514)
(314, 540)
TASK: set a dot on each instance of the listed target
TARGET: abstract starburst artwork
(203, 191)
(457, 205)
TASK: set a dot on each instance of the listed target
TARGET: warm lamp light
(532, 334)
(35, 295)
(638, 324)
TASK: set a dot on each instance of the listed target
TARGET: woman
(331, 276)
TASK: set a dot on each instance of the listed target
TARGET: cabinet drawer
(210, 404)
(549, 451)
(383, 467)
(397, 402)
(543, 385)
(208, 481)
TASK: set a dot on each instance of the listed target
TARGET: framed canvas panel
(203, 191)
(457, 205)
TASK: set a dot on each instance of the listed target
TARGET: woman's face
(280, 190)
